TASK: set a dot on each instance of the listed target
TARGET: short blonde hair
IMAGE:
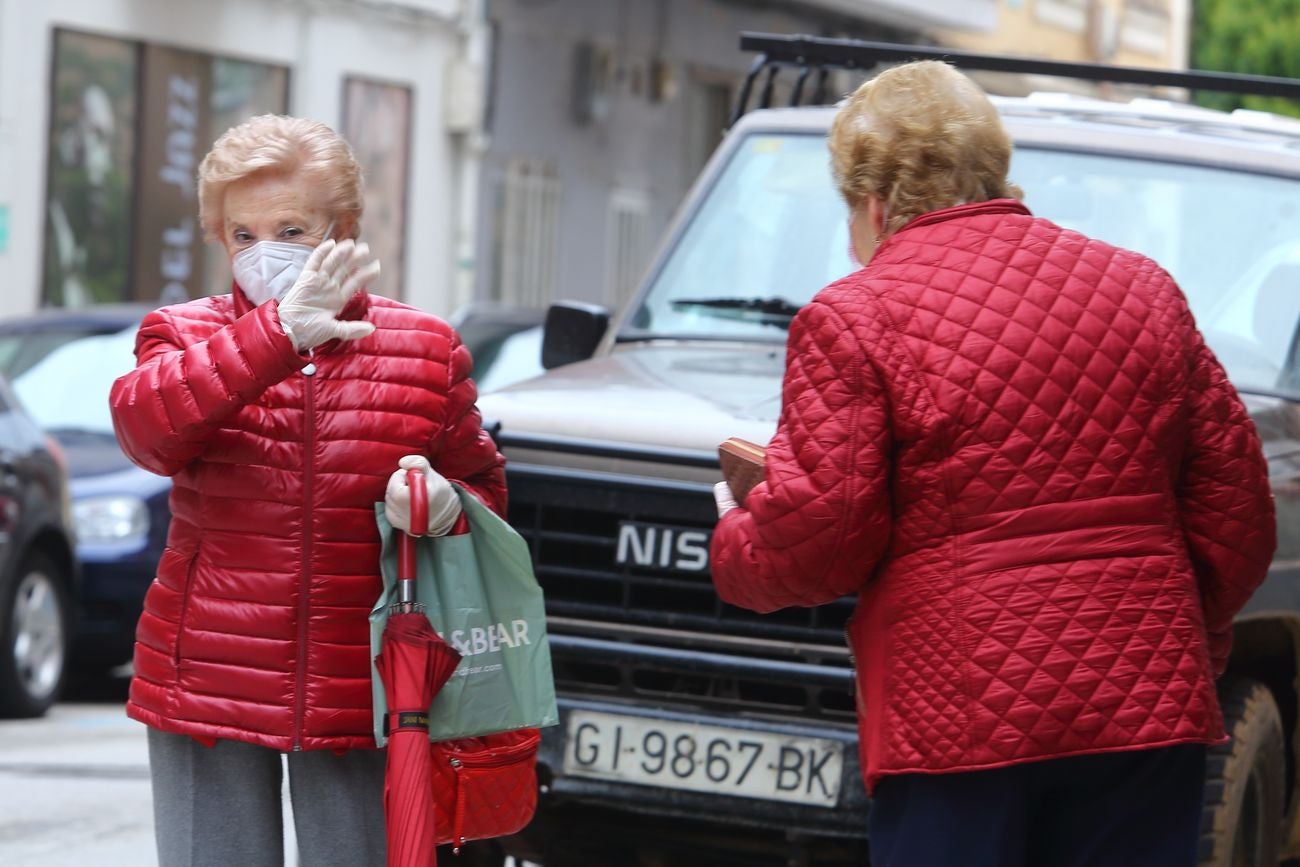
(920, 137)
(278, 144)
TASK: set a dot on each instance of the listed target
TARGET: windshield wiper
(776, 312)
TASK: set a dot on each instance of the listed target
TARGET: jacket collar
(975, 209)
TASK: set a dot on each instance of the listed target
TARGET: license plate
(704, 758)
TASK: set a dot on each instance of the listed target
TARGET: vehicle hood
(685, 396)
(674, 396)
(129, 480)
(97, 467)
(690, 397)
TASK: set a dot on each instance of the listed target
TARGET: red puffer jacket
(255, 628)
(1011, 441)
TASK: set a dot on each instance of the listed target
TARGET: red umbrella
(414, 663)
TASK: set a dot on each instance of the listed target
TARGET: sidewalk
(74, 789)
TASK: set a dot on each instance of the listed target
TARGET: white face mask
(268, 269)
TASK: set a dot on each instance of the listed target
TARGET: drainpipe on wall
(466, 96)
(1180, 36)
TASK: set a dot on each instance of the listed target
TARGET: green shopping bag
(479, 593)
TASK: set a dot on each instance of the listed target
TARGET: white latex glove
(725, 500)
(333, 274)
(444, 504)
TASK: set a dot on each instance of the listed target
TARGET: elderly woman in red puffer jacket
(282, 411)
(1011, 441)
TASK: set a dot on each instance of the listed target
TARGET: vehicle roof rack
(814, 55)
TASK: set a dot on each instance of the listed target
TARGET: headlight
(110, 519)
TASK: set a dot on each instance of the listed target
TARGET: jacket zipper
(308, 526)
(494, 759)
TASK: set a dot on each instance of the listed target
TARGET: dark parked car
(38, 575)
(62, 364)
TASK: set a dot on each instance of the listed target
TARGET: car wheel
(35, 632)
(1245, 785)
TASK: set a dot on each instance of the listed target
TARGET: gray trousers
(221, 805)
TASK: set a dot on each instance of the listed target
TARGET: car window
(513, 359)
(773, 226)
(68, 389)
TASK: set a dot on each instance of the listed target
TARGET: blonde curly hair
(274, 143)
(920, 137)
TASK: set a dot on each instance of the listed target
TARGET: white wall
(320, 41)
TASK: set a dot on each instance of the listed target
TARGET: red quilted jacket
(256, 626)
(1011, 442)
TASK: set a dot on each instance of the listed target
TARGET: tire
(1245, 785)
(34, 625)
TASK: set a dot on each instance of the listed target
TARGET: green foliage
(1259, 37)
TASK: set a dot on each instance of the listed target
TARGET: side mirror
(572, 332)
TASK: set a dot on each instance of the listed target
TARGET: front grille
(572, 528)
(571, 522)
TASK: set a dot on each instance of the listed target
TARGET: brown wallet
(742, 465)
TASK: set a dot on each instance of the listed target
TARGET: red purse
(484, 787)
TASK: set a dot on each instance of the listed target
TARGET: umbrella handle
(406, 542)
(419, 502)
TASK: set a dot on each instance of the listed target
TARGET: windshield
(68, 389)
(774, 227)
(20, 350)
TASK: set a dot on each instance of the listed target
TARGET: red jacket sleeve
(463, 451)
(817, 525)
(167, 408)
(1224, 500)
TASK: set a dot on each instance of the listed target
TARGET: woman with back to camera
(1012, 443)
(283, 411)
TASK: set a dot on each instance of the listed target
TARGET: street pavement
(74, 786)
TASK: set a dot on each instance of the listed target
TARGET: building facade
(602, 112)
(1151, 33)
(106, 107)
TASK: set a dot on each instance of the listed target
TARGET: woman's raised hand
(334, 273)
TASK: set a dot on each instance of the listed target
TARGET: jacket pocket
(183, 616)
